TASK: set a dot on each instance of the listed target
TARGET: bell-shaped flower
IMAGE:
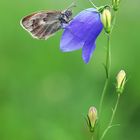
(82, 32)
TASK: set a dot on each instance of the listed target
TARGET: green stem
(108, 59)
(102, 96)
(107, 68)
(111, 119)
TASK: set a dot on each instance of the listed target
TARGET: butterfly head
(68, 13)
(66, 16)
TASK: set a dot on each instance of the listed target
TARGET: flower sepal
(101, 8)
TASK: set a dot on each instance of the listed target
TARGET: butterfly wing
(42, 25)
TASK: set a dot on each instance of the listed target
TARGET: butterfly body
(43, 24)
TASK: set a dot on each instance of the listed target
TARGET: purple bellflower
(82, 32)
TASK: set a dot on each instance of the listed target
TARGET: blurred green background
(45, 94)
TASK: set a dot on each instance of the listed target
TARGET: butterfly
(44, 24)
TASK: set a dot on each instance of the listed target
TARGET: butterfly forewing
(42, 25)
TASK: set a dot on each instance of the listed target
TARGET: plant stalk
(111, 119)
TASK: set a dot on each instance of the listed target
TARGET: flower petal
(81, 25)
(87, 51)
(69, 42)
(89, 45)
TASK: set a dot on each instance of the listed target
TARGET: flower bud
(92, 118)
(106, 20)
(115, 4)
(121, 80)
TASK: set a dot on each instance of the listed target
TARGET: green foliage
(45, 94)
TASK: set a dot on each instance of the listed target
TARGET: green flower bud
(121, 80)
(106, 20)
(92, 118)
(115, 4)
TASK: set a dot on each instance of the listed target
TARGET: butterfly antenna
(71, 6)
(92, 4)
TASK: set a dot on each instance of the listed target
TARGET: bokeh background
(45, 94)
